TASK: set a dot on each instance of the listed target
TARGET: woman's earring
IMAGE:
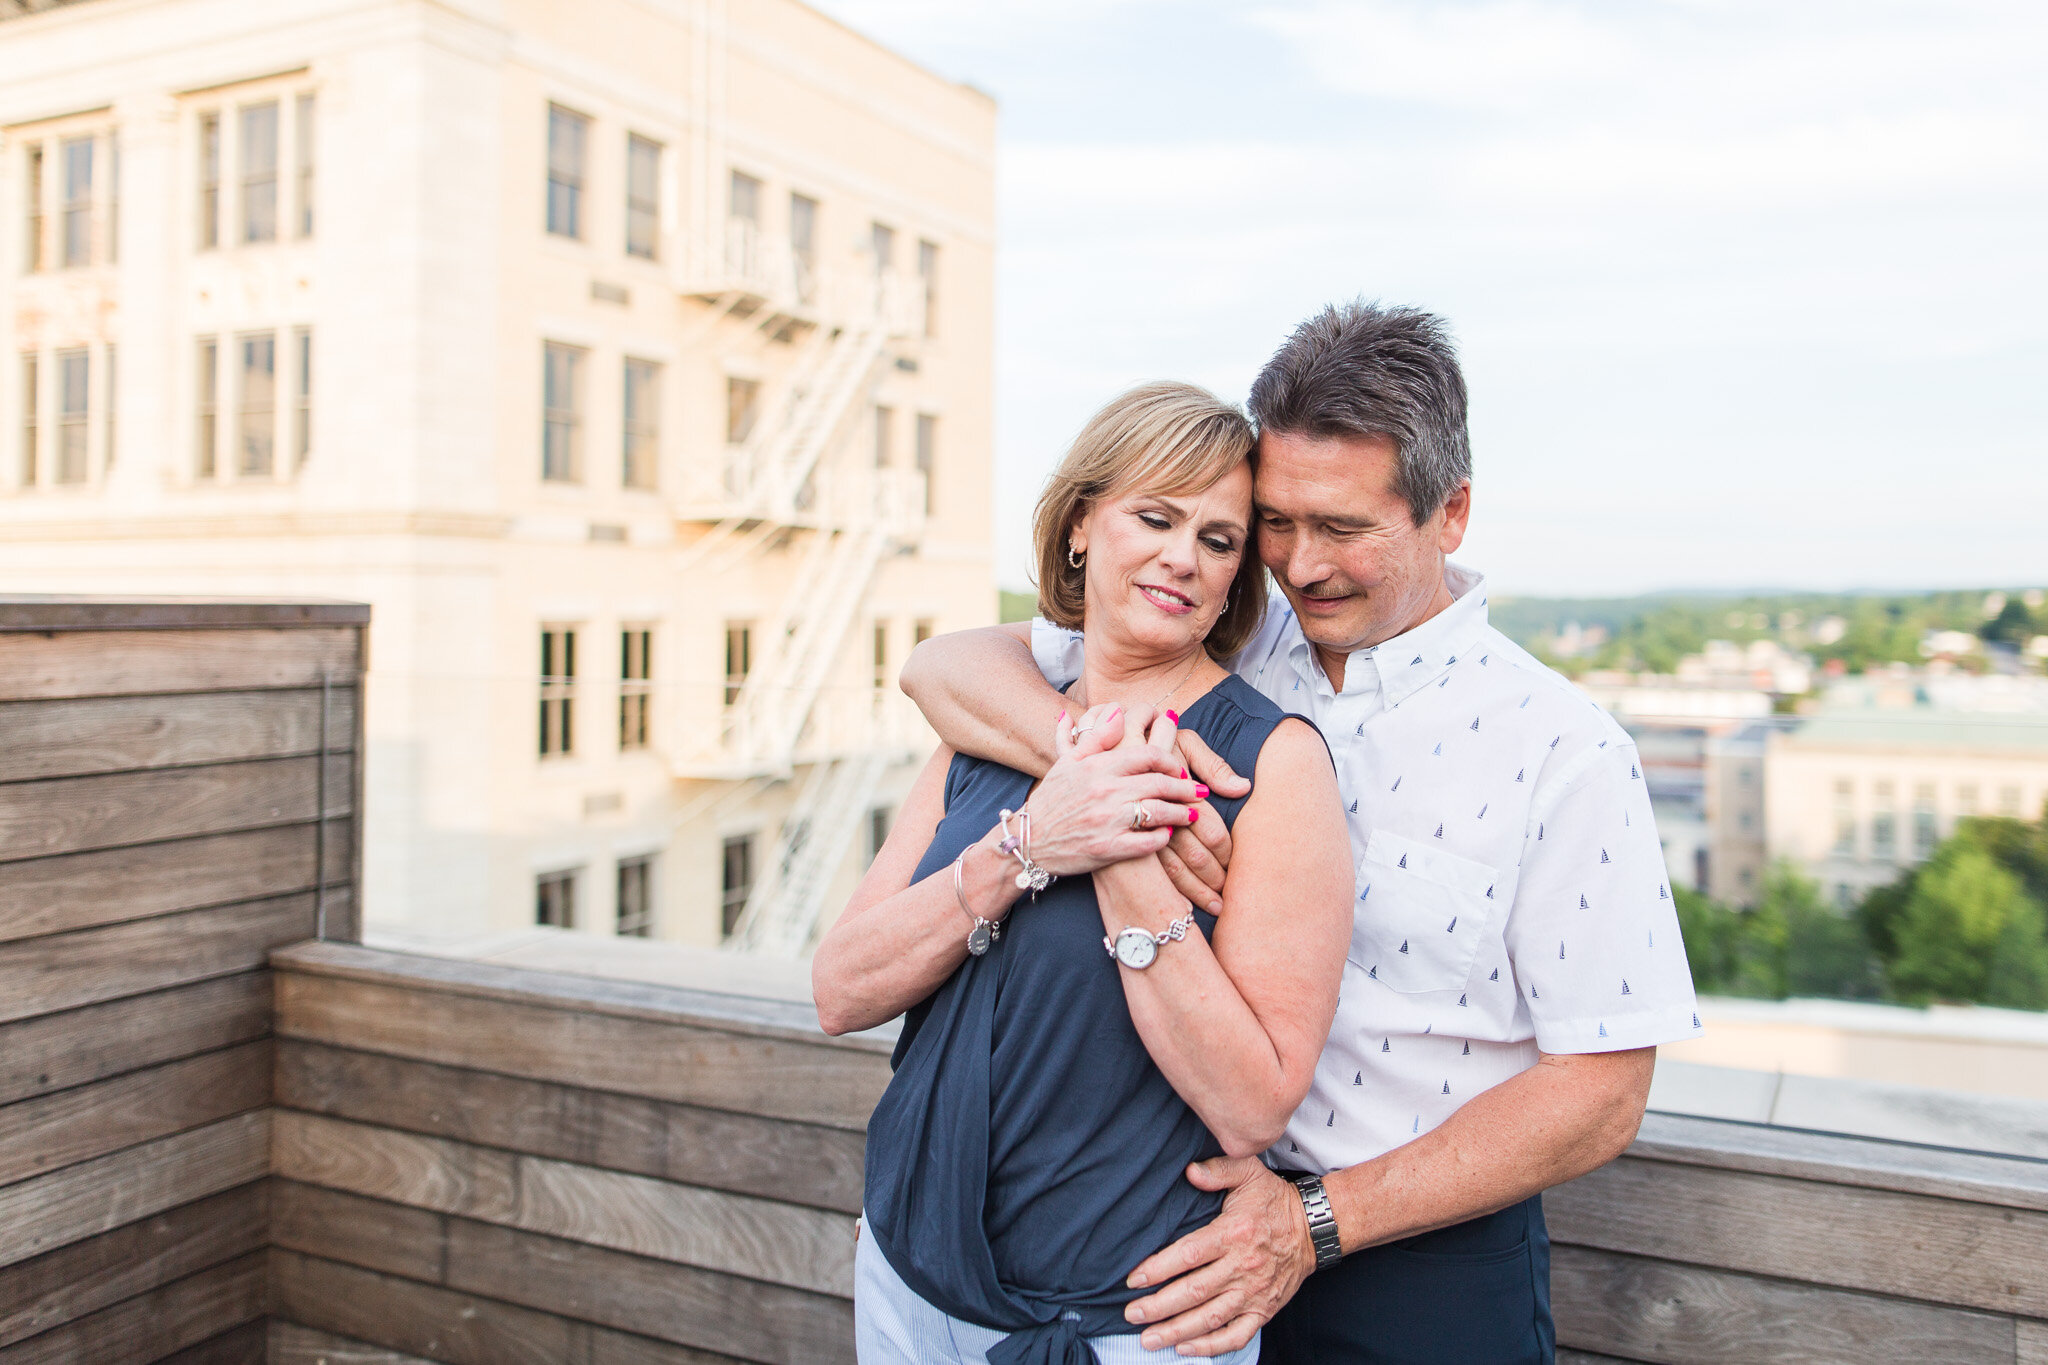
(1073, 559)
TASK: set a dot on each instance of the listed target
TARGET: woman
(1069, 1050)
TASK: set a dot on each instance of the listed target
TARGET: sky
(1749, 294)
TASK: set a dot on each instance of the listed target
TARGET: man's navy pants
(1477, 1293)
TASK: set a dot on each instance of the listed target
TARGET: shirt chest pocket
(1421, 914)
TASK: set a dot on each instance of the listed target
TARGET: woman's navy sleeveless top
(1028, 1154)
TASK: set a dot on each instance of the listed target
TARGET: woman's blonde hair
(1169, 437)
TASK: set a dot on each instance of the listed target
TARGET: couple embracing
(1261, 962)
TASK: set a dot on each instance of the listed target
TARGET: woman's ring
(1140, 817)
(1080, 730)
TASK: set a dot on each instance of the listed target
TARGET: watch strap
(1322, 1220)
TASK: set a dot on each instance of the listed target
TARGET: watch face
(1135, 949)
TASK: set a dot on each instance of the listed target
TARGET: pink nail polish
(1183, 774)
(1194, 814)
(1201, 792)
(1173, 716)
(1063, 717)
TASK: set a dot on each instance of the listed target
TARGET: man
(1515, 957)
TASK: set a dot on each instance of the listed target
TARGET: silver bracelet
(985, 931)
(1322, 1220)
(1032, 878)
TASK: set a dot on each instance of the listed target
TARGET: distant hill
(1653, 632)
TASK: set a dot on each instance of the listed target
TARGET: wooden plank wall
(161, 789)
(484, 1164)
(481, 1163)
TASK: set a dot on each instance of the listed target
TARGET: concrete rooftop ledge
(60, 611)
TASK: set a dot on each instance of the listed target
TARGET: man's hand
(1198, 856)
(1236, 1273)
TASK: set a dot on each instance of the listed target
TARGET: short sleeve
(1593, 931)
(1056, 650)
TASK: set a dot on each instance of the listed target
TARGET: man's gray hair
(1365, 370)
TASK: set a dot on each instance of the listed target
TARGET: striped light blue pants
(893, 1326)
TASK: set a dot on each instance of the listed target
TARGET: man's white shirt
(1511, 896)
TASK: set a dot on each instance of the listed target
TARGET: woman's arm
(983, 693)
(1237, 1026)
(896, 943)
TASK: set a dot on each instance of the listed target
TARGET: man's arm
(983, 693)
(1565, 1116)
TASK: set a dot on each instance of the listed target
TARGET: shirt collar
(1412, 660)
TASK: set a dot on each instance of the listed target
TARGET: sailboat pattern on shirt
(1502, 836)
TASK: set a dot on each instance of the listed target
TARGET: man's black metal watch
(1322, 1220)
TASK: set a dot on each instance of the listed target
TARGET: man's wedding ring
(1141, 818)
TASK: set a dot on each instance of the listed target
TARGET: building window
(920, 632)
(739, 657)
(206, 440)
(885, 422)
(1845, 820)
(1966, 799)
(74, 376)
(32, 196)
(258, 147)
(257, 405)
(803, 244)
(112, 400)
(77, 229)
(554, 899)
(736, 882)
(745, 201)
(302, 145)
(742, 406)
(557, 690)
(878, 829)
(302, 395)
(209, 180)
(881, 655)
(1884, 823)
(113, 192)
(642, 424)
(31, 426)
(566, 132)
(636, 897)
(1924, 835)
(636, 686)
(561, 451)
(643, 195)
(882, 241)
(927, 453)
(2009, 801)
(928, 276)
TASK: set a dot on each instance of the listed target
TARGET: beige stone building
(632, 358)
(1859, 793)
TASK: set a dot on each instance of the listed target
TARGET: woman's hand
(1081, 813)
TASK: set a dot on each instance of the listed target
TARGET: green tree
(1970, 931)
(2013, 625)
(1826, 953)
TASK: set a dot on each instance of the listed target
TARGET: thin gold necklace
(1193, 664)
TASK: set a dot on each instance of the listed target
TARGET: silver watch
(1322, 1220)
(1138, 948)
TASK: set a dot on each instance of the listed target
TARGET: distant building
(1871, 784)
(633, 360)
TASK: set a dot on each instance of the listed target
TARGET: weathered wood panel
(764, 1240)
(110, 886)
(793, 1162)
(58, 1051)
(113, 663)
(1672, 1314)
(372, 1234)
(73, 814)
(681, 1304)
(65, 971)
(248, 1344)
(291, 1344)
(56, 1130)
(683, 1063)
(1914, 1246)
(49, 1211)
(446, 1325)
(153, 1325)
(76, 737)
(2033, 1342)
(50, 1290)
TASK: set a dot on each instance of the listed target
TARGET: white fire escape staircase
(782, 914)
